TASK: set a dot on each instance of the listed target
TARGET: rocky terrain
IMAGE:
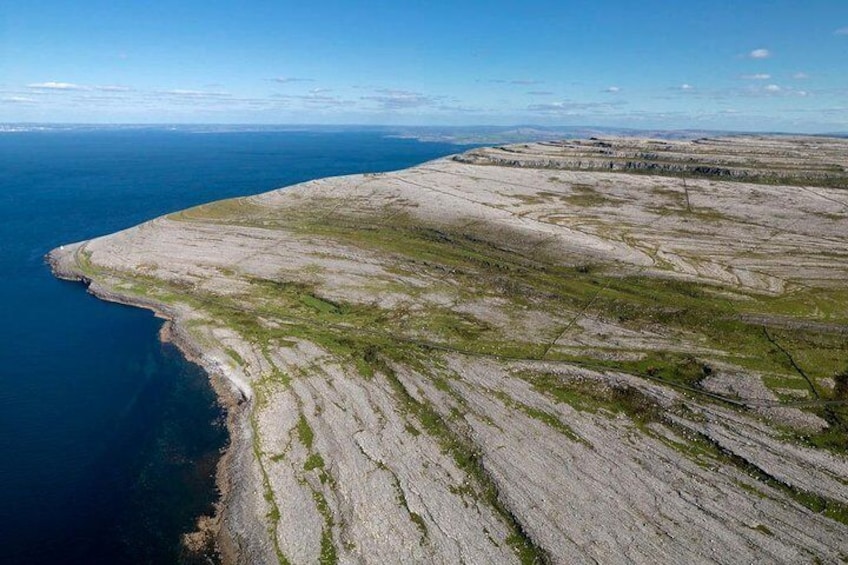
(610, 350)
(803, 161)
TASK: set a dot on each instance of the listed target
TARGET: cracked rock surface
(605, 350)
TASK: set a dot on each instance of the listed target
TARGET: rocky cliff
(594, 351)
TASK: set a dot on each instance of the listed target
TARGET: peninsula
(606, 350)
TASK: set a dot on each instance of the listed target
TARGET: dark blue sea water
(108, 438)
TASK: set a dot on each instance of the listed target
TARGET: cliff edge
(608, 350)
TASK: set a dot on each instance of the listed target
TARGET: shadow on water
(151, 475)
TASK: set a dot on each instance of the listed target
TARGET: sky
(752, 65)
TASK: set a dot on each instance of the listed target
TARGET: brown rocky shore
(605, 350)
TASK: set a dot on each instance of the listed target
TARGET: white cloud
(570, 108)
(56, 86)
(287, 80)
(17, 100)
(183, 92)
(518, 82)
(760, 54)
(768, 90)
(459, 109)
(757, 76)
(194, 93)
(686, 87)
(391, 99)
(800, 76)
(113, 88)
(316, 100)
(841, 31)
(613, 89)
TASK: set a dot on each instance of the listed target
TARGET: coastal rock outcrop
(588, 351)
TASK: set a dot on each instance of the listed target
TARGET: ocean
(109, 438)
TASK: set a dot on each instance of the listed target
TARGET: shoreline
(210, 533)
(377, 431)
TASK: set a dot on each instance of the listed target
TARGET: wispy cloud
(187, 93)
(613, 89)
(835, 110)
(757, 76)
(189, 97)
(517, 82)
(51, 85)
(686, 87)
(17, 100)
(389, 99)
(458, 109)
(317, 100)
(754, 90)
(288, 80)
(841, 31)
(800, 76)
(540, 93)
(778, 90)
(568, 107)
(759, 54)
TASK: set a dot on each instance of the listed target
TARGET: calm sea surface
(108, 438)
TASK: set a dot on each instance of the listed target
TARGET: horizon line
(408, 126)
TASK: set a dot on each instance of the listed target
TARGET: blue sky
(742, 65)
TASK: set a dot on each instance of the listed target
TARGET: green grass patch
(234, 355)
(304, 432)
(320, 304)
(591, 397)
(328, 554)
(228, 211)
(314, 461)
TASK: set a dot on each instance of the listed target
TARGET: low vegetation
(591, 343)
